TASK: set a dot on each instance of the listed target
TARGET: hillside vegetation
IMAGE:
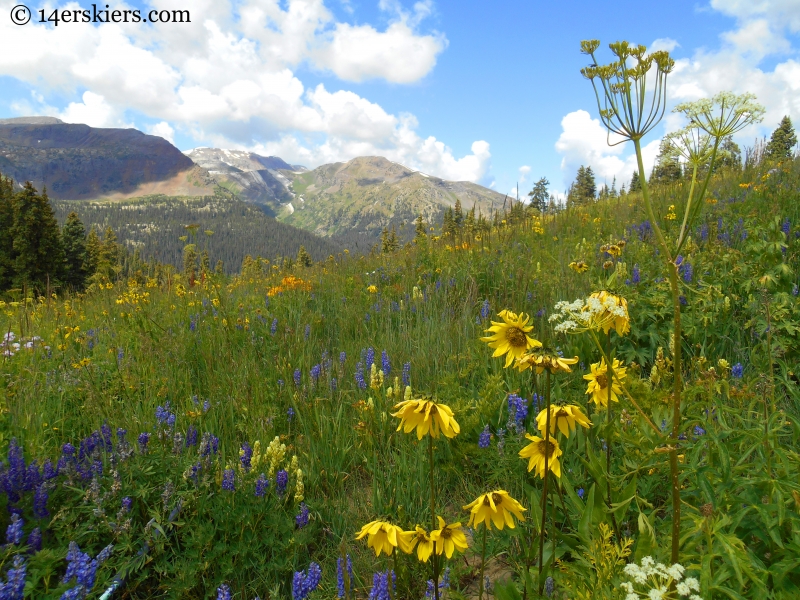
(239, 432)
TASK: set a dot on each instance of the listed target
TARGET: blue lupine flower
(206, 405)
(370, 358)
(246, 456)
(127, 502)
(262, 483)
(315, 373)
(303, 583)
(367, 317)
(486, 310)
(297, 377)
(380, 586)
(688, 271)
(105, 430)
(35, 540)
(40, 502)
(191, 436)
(274, 327)
(307, 331)
(704, 232)
(281, 479)
(636, 276)
(144, 438)
(340, 578)
(683, 300)
(290, 414)
(83, 569)
(333, 384)
(581, 493)
(342, 358)
(698, 431)
(281, 383)
(209, 444)
(540, 313)
(14, 588)
(737, 370)
(224, 592)
(228, 480)
(301, 520)
(14, 530)
(406, 373)
(786, 226)
(795, 290)
(679, 260)
(549, 586)
(165, 416)
(386, 366)
(359, 376)
(485, 438)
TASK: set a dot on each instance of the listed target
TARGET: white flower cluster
(8, 347)
(657, 579)
(583, 314)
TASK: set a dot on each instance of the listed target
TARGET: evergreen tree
(667, 168)
(419, 229)
(220, 268)
(303, 257)
(7, 254)
(385, 241)
(469, 223)
(782, 142)
(583, 190)
(613, 191)
(539, 195)
(729, 155)
(458, 214)
(636, 185)
(448, 223)
(92, 253)
(108, 259)
(394, 244)
(39, 260)
(73, 238)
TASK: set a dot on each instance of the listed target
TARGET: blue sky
(489, 92)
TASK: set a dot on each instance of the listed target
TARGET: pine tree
(39, 260)
(448, 223)
(92, 253)
(394, 244)
(636, 185)
(469, 223)
(782, 142)
(539, 195)
(458, 214)
(7, 254)
(729, 155)
(303, 257)
(419, 229)
(219, 269)
(583, 190)
(73, 238)
(613, 191)
(108, 260)
(667, 168)
(385, 241)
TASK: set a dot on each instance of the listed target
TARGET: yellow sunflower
(609, 311)
(536, 452)
(449, 538)
(427, 417)
(495, 507)
(562, 417)
(540, 362)
(385, 537)
(423, 542)
(598, 382)
(511, 336)
(579, 266)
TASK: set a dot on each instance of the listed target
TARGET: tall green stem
(483, 560)
(544, 486)
(672, 269)
(434, 558)
(610, 384)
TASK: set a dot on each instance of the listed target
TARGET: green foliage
(583, 190)
(782, 141)
(73, 238)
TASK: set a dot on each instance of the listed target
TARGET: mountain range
(347, 202)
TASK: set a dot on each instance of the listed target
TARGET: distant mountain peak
(32, 121)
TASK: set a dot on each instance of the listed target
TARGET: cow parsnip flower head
(691, 143)
(427, 417)
(449, 538)
(564, 418)
(384, 537)
(510, 337)
(630, 91)
(724, 114)
(599, 379)
(496, 508)
(536, 452)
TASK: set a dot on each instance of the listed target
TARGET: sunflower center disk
(547, 448)
(498, 499)
(602, 381)
(516, 337)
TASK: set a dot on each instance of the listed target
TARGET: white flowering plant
(654, 581)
